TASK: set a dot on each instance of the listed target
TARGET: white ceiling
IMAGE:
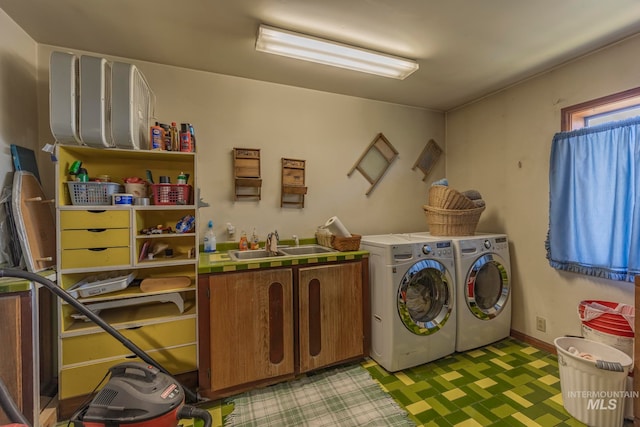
(466, 48)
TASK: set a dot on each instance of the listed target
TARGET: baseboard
(550, 348)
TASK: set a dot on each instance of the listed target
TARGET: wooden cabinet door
(331, 314)
(16, 352)
(251, 327)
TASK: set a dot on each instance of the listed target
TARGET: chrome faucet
(272, 243)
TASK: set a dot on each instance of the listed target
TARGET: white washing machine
(483, 293)
(412, 283)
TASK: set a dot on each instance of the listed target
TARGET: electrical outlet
(541, 324)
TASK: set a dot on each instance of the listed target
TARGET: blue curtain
(594, 211)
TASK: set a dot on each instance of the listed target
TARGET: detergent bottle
(244, 243)
(210, 239)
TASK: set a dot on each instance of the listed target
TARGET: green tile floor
(508, 383)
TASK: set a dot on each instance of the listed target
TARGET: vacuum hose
(61, 293)
(192, 412)
(10, 408)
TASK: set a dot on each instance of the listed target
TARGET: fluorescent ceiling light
(300, 46)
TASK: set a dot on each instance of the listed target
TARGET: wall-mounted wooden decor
(375, 160)
(428, 158)
(293, 183)
(246, 169)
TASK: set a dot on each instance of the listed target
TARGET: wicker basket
(444, 197)
(344, 244)
(324, 237)
(452, 222)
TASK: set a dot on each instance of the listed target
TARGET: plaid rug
(345, 397)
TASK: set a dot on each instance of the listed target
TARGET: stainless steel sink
(238, 255)
(307, 250)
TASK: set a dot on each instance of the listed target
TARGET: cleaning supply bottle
(244, 244)
(255, 243)
(210, 239)
(175, 137)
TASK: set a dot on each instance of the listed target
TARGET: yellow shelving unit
(97, 239)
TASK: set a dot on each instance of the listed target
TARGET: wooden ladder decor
(293, 183)
(246, 169)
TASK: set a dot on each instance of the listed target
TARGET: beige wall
(329, 131)
(500, 146)
(18, 114)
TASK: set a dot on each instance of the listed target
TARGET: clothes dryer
(483, 293)
(412, 284)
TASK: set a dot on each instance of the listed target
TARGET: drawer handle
(98, 249)
(133, 328)
(131, 356)
(96, 230)
(100, 211)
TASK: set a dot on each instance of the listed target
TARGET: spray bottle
(210, 239)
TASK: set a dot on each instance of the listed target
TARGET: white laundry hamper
(593, 395)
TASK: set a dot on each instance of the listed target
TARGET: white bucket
(624, 344)
(594, 396)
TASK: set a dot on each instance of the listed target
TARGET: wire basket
(92, 193)
(171, 194)
(444, 197)
(452, 222)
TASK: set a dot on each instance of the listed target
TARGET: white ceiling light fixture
(314, 49)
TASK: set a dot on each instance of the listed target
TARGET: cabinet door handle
(315, 318)
(276, 323)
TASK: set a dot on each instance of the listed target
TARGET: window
(594, 186)
(618, 106)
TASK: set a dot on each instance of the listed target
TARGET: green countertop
(219, 262)
(14, 284)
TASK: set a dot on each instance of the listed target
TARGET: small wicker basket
(444, 197)
(452, 222)
(343, 244)
(323, 237)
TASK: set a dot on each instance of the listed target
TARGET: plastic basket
(92, 193)
(452, 222)
(444, 197)
(607, 314)
(171, 194)
(583, 383)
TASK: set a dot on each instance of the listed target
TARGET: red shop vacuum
(138, 394)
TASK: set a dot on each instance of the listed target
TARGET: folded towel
(442, 181)
(472, 194)
(479, 203)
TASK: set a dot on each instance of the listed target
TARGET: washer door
(425, 297)
(488, 288)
